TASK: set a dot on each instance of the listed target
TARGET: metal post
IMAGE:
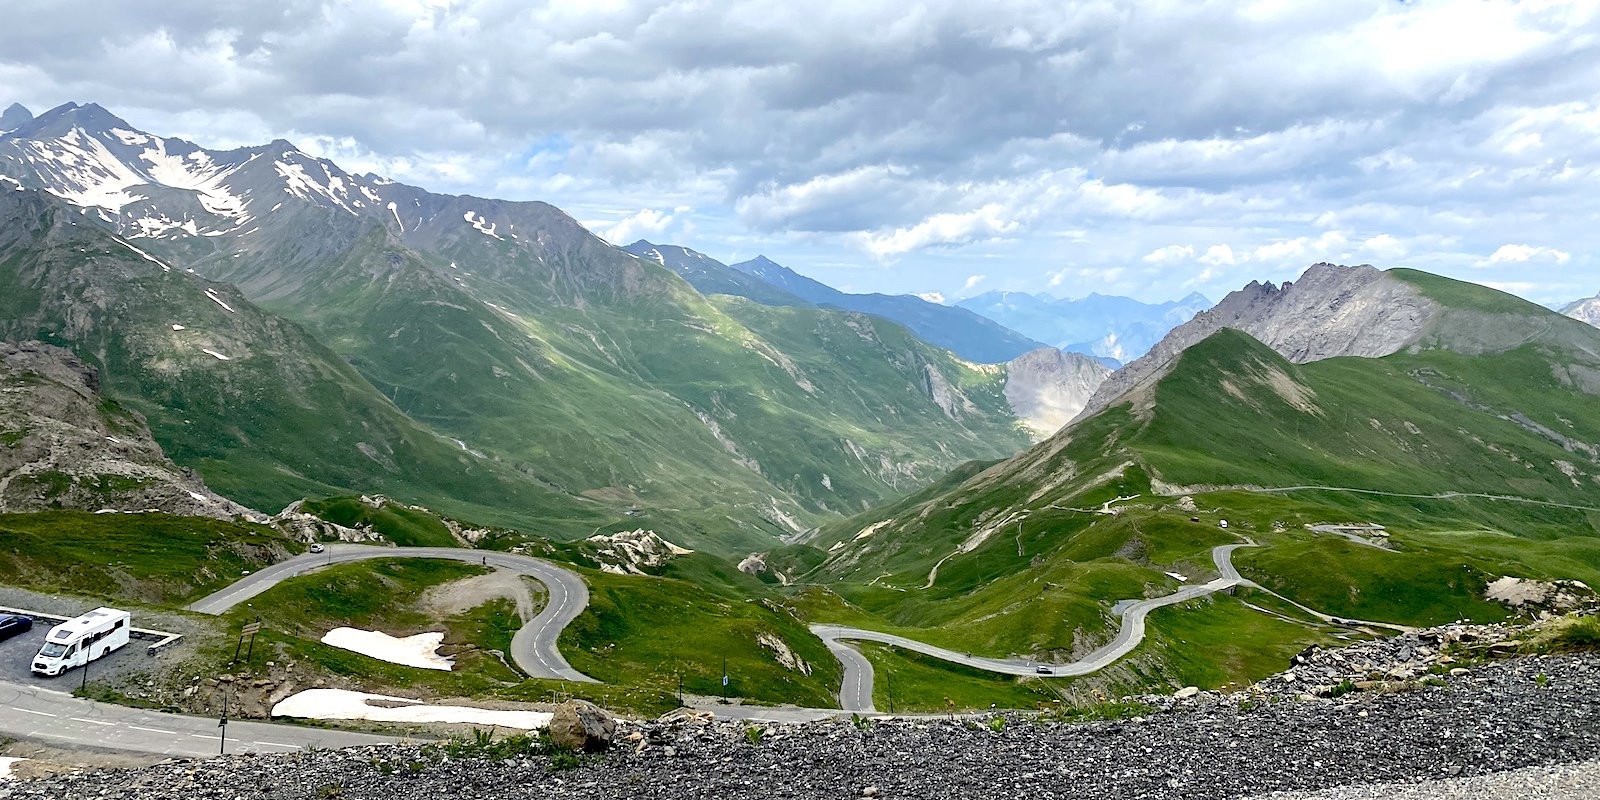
(680, 688)
(222, 723)
(86, 653)
(724, 677)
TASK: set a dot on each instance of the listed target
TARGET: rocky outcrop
(633, 552)
(583, 726)
(1585, 311)
(1331, 311)
(1046, 388)
(63, 445)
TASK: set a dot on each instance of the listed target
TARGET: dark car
(12, 625)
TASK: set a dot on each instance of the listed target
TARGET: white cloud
(1520, 253)
(1172, 252)
(933, 297)
(1217, 255)
(1384, 246)
(940, 139)
(642, 224)
(938, 230)
(973, 280)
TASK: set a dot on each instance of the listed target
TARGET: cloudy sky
(1148, 149)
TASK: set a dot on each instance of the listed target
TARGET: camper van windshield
(52, 650)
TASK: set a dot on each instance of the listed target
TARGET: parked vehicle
(317, 547)
(1044, 670)
(14, 625)
(80, 640)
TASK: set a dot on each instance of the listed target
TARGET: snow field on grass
(411, 651)
(345, 704)
(5, 766)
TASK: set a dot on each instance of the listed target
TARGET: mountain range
(1117, 328)
(967, 334)
(1390, 398)
(291, 329)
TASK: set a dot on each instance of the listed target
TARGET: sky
(1149, 149)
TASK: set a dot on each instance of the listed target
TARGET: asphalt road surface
(59, 719)
(856, 693)
(533, 648)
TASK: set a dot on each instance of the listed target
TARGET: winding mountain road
(533, 648)
(856, 693)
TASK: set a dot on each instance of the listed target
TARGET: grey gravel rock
(1500, 718)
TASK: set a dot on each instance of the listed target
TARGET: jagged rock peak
(15, 116)
(1332, 310)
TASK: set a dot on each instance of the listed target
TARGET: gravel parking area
(16, 654)
(1505, 716)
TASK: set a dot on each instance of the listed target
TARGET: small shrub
(754, 733)
(1100, 712)
(997, 724)
(861, 723)
(1342, 688)
(561, 760)
(1541, 679)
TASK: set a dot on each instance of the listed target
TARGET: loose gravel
(1510, 715)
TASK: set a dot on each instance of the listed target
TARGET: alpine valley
(733, 478)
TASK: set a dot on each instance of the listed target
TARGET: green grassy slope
(649, 631)
(602, 376)
(153, 558)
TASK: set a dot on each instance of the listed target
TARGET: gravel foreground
(1511, 715)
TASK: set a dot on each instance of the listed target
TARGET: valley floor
(1510, 715)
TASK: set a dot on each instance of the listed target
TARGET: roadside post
(84, 687)
(724, 678)
(250, 653)
(222, 724)
(248, 630)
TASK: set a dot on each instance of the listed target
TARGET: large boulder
(582, 725)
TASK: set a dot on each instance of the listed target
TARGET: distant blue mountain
(1103, 325)
(969, 335)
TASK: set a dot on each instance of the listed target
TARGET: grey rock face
(15, 116)
(1331, 311)
(1585, 311)
(63, 446)
(583, 726)
(1048, 387)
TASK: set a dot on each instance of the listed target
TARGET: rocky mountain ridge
(512, 336)
(64, 445)
(1330, 311)
(1587, 310)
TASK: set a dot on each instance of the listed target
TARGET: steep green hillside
(252, 402)
(605, 376)
(1476, 448)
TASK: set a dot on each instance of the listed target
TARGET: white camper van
(80, 640)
